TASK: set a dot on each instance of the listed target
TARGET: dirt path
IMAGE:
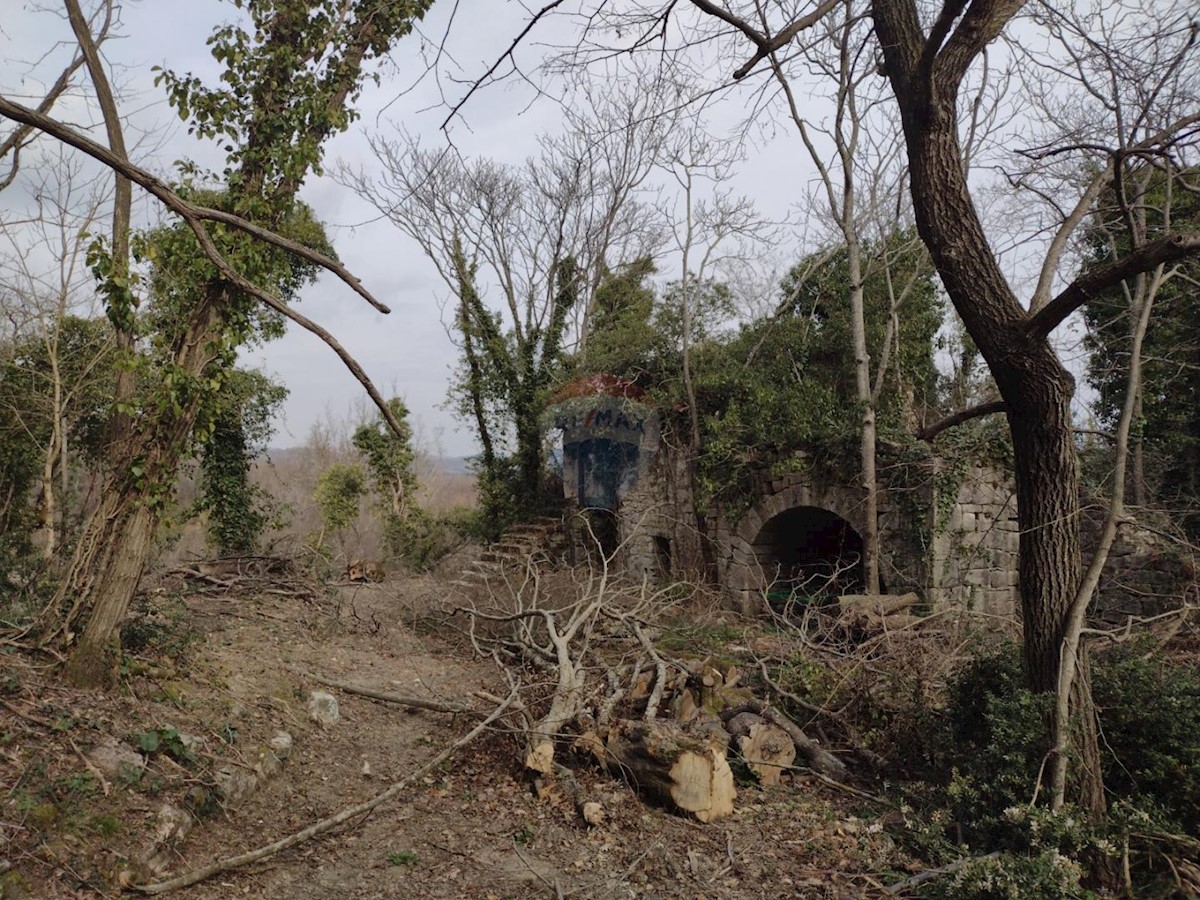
(471, 829)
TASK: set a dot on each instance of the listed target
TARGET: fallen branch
(327, 824)
(868, 756)
(930, 874)
(818, 758)
(28, 717)
(415, 702)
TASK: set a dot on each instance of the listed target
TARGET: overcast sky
(408, 351)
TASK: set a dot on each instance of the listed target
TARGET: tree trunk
(684, 772)
(1037, 390)
(49, 510)
(117, 539)
(862, 381)
(118, 547)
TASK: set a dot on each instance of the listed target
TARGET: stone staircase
(542, 538)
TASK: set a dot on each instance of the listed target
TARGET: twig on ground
(929, 874)
(324, 825)
(96, 773)
(28, 717)
(415, 702)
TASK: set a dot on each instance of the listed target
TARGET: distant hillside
(450, 465)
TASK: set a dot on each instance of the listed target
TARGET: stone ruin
(802, 532)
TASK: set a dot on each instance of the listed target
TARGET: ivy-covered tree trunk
(117, 539)
(287, 92)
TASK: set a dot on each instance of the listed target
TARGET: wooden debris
(767, 749)
(815, 756)
(871, 613)
(680, 770)
(362, 571)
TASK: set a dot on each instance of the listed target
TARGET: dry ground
(233, 672)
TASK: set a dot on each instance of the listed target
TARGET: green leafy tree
(338, 492)
(622, 339)
(391, 460)
(501, 386)
(1166, 443)
(238, 511)
(902, 314)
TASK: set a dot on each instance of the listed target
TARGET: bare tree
(522, 250)
(708, 223)
(22, 134)
(44, 271)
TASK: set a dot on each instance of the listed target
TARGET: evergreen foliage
(1169, 429)
(780, 384)
(238, 511)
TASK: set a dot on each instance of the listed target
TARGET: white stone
(112, 757)
(281, 744)
(234, 783)
(323, 708)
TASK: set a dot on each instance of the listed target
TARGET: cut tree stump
(767, 749)
(664, 761)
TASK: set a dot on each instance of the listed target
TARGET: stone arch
(829, 517)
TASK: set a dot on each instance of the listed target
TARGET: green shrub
(995, 742)
(1009, 876)
(1149, 711)
(986, 752)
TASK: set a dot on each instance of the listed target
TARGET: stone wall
(969, 559)
(974, 546)
(959, 551)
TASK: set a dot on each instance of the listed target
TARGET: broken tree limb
(870, 757)
(767, 749)
(930, 874)
(401, 700)
(324, 825)
(684, 772)
(817, 757)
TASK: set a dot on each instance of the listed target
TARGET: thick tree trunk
(1036, 389)
(681, 770)
(114, 562)
(117, 539)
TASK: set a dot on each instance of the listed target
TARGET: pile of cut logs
(682, 758)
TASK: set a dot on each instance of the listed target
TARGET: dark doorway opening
(808, 556)
(662, 554)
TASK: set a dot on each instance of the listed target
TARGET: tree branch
(507, 54)
(974, 412)
(766, 44)
(1086, 287)
(173, 201)
(194, 216)
(16, 141)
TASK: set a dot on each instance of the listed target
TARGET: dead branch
(399, 699)
(869, 756)
(930, 874)
(324, 825)
(817, 757)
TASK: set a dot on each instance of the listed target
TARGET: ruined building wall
(968, 558)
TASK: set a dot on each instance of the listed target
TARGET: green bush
(986, 751)
(1149, 711)
(995, 742)
(1008, 876)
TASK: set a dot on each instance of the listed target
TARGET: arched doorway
(808, 555)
